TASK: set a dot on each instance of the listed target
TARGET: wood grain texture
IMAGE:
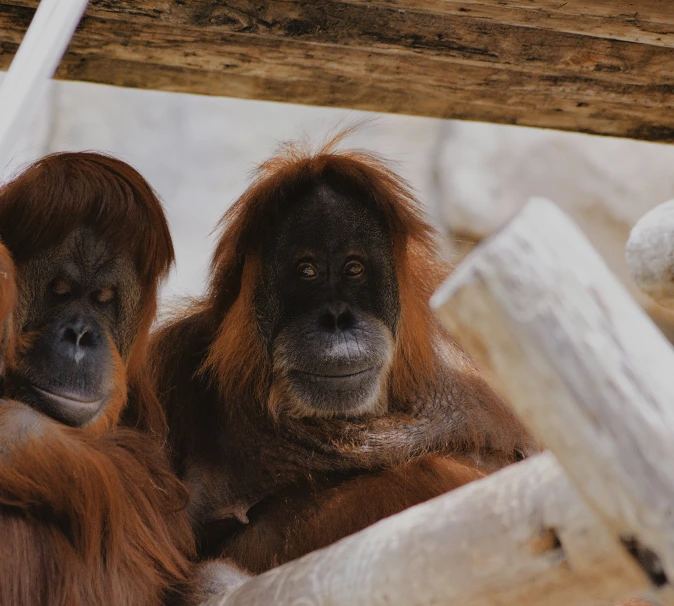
(598, 66)
(582, 365)
(521, 537)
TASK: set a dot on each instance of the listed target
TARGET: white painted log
(485, 174)
(581, 364)
(650, 254)
(517, 538)
(35, 62)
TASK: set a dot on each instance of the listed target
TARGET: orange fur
(90, 515)
(86, 519)
(65, 191)
(109, 416)
(312, 515)
(237, 353)
(8, 299)
(236, 359)
(307, 481)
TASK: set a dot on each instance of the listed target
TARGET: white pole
(35, 62)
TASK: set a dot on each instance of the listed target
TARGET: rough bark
(599, 67)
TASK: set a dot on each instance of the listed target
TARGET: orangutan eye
(354, 269)
(104, 295)
(307, 271)
(61, 288)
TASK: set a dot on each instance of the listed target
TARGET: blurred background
(198, 153)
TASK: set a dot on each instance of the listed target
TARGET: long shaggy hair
(87, 519)
(238, 359)
(87, 515)
(66, 191)
(271, 482)
(231, 435)
(8, 298)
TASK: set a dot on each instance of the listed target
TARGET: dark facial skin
(78, 301)
(329, 304)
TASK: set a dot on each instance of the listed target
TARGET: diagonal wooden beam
(34, 64)
(521, 537)
(599, 66)
(582, 366)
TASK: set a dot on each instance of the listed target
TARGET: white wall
(198, 152)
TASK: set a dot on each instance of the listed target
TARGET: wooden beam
(521, 537)
(582, 365)
(600, 66)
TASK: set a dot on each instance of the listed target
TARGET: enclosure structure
(596, 66)
(589, 522)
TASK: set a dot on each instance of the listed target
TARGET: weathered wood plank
(583, 367)
(521, 537)
(648, 21)
(598, 67)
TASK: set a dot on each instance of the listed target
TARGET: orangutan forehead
(330, 219)
(83, 255)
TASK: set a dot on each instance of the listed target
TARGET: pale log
(521, 537)
(34, 64)
(650, 253)
(595, 66)
(582, 365)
